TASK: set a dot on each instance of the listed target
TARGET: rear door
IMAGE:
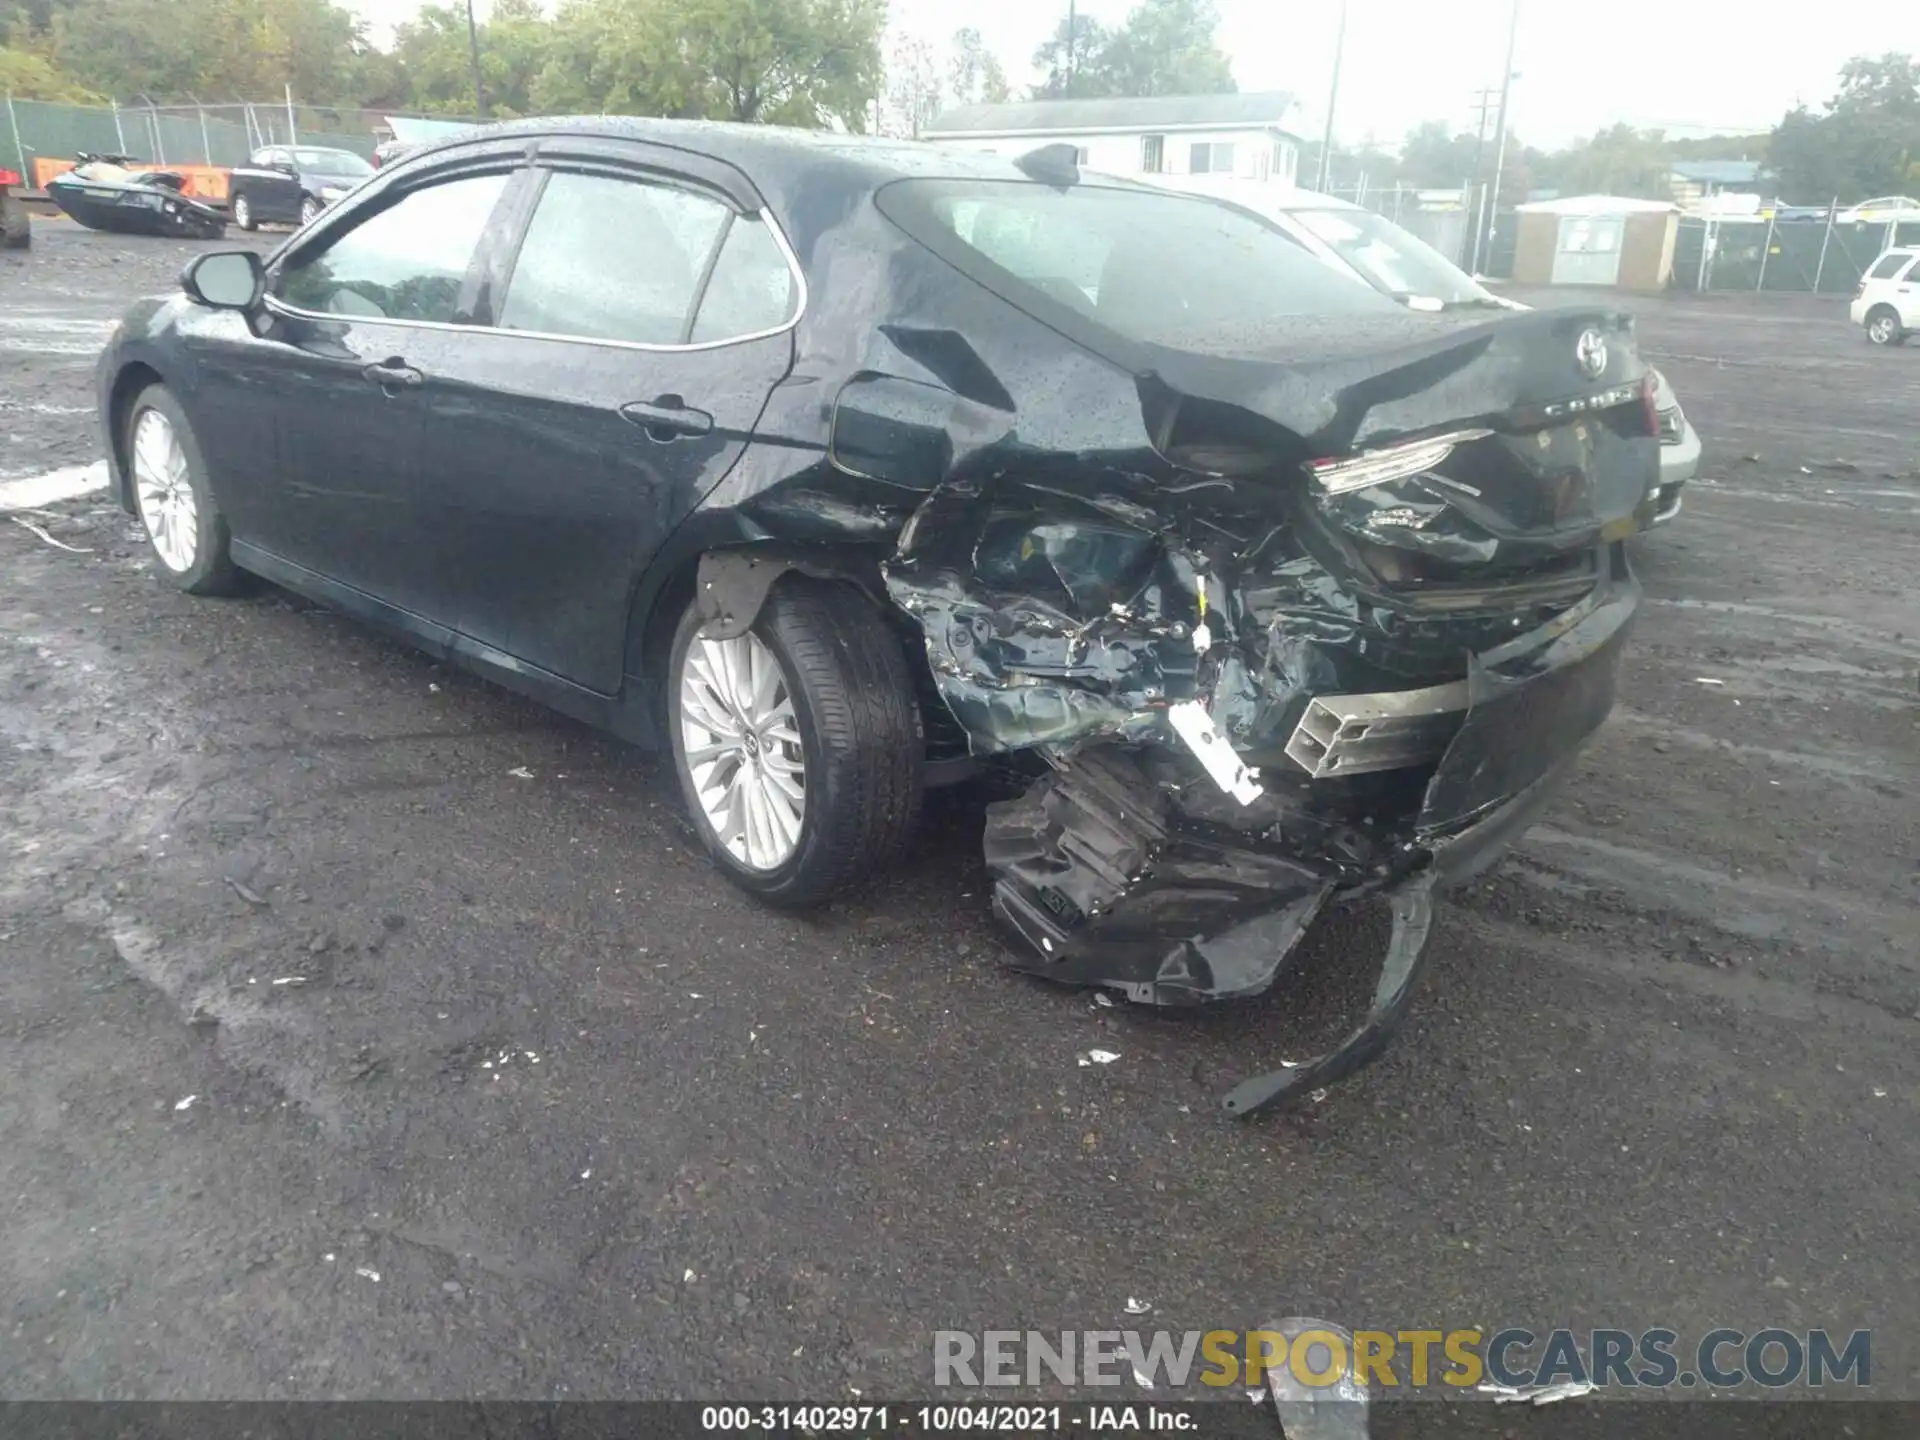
(271, 187)
(363, 316)
(636, 331)
(1906, 293)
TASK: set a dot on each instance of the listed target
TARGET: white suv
(1888, 300)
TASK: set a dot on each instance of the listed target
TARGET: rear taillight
(10, 177)
(1393, 462)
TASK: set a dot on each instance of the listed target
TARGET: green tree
(435, 58)
(1167, 48)
(974, 75)
(1867, 141)
(1618, 160)
(1072, 60)
(1435, 156)
(28, 76)
(797, 62)
(173, 50)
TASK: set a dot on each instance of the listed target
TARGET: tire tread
(866, 719)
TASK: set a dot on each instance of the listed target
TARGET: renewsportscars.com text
(1721, 1359)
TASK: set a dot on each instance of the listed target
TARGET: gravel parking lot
(369, 1031)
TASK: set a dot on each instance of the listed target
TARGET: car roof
(764, 152)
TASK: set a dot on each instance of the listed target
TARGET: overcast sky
(1688, 66)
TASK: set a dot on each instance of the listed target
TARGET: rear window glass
(1154, 267)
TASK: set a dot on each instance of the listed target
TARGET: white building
(1251, 137)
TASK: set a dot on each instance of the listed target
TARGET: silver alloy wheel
(243, 212)
(742, 743)
(1880, 329)
(164, 493)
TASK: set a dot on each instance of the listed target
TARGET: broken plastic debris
(1317, 1412)
(186, 1104)
(1098, 1057)
(1192, 724)
(251, 897)
(1879, 1092)
(367, 1272)
(1140, 1379)
(328, 1257)
(41, 532)
(291, 980)
(688, 1277)
(1103, 1000)
(1707, 680)
(1538, 1394)
(586, 1174)
(1137, 1307)
(521, 772)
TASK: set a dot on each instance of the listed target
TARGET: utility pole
(1470, 242)
(1073, 44)
(1333, 98)
(473, 51)
(1500, 148)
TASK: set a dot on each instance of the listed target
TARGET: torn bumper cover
(1129, 866)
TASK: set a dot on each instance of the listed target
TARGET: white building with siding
(1250, 137)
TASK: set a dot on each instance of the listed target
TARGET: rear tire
(309, 208)
(860, 746)
(1883, 326)
(190, 541)
(243, 212)
(16, 225)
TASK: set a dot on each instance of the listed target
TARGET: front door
(362, 320)
(635, 338)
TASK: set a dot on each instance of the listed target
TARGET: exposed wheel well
(127, 384)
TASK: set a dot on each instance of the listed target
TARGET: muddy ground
(287, 913)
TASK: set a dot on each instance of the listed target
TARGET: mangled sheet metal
(1257, 692)
(1272, 617)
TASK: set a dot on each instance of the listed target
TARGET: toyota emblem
(1590, 354)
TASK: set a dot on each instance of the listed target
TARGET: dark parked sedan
(291, 183)
(835, 467)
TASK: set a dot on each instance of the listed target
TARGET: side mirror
(286, 167)
(225, 279)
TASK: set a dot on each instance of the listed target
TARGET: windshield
(1156, 268)
(332, 162)
(1398, 262)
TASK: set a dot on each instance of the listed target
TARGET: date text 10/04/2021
(943, 1419)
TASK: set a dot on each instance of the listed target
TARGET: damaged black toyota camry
(839, 468)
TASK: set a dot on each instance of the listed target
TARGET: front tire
(243, 212)
(309, 208)
(175, 503)
(798, 745)
(1883, 326)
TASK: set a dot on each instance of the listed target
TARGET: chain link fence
(1445, 220)
(215, 135)
(1816, 256)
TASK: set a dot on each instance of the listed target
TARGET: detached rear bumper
(1107, 876)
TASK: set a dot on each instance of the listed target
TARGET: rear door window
(1887, 266)
(607, 258)
(751, 290)
(406, 262)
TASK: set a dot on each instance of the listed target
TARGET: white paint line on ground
(55, 485)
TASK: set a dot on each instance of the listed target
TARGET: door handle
(393, 375)
(666, 418)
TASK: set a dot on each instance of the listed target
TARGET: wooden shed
(1596, 240)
